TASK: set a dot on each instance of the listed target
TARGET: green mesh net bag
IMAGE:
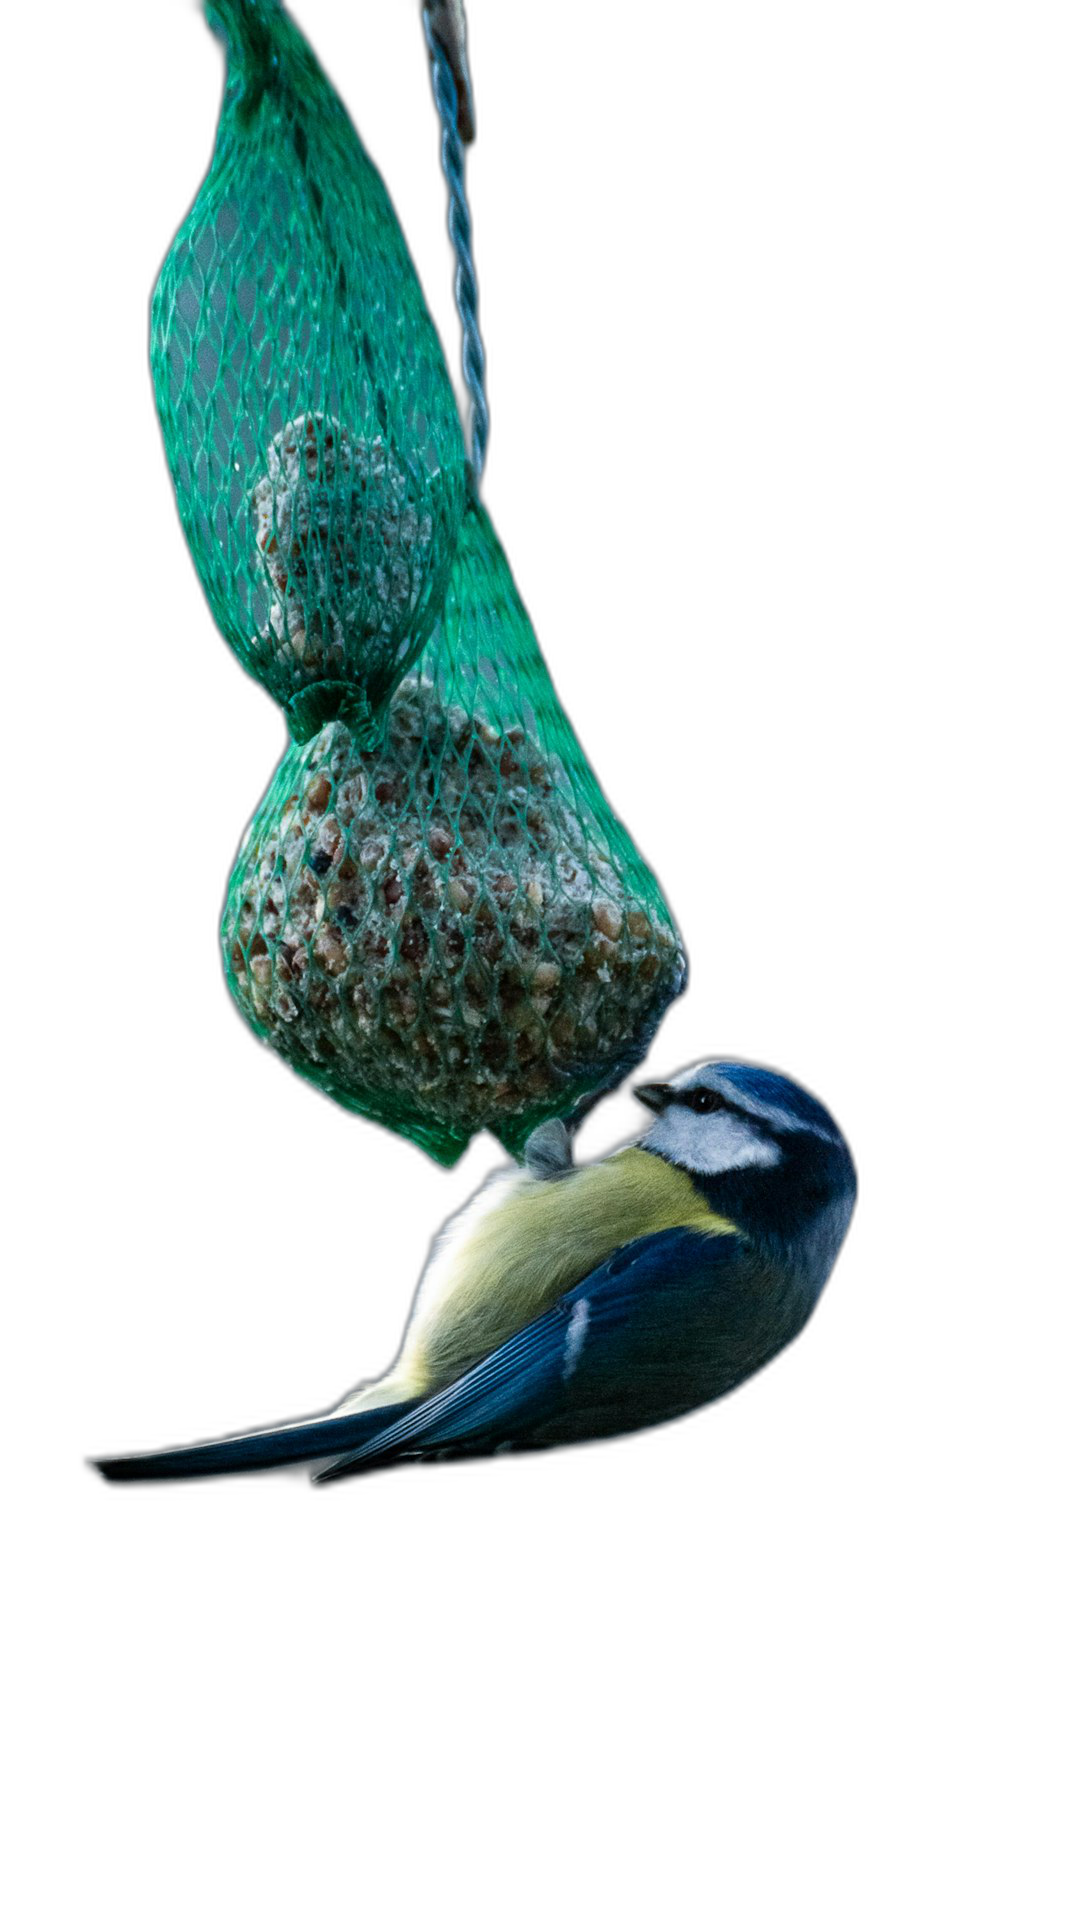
(309, 422)
(444, 926)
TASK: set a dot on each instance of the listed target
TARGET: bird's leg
(549, 1151)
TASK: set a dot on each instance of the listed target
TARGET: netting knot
(324, 700)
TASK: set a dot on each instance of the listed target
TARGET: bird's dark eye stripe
(704, 1100)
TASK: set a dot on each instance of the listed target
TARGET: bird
(569, 1303)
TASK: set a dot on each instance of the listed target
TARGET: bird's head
(723, 1115)
(761, 1149)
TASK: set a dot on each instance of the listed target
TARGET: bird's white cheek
(712, 1142)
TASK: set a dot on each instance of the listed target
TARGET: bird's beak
(655, 1095)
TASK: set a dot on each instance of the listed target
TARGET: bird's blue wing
(658, 1328)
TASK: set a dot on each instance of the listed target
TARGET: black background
(692, 340)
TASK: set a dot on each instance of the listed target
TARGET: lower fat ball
(569, 1304)
(425, 926)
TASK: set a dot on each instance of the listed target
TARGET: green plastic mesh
(446, 928)
(309, 422)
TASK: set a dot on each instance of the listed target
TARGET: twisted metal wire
(466, 292)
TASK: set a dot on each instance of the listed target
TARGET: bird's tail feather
(248, 1452)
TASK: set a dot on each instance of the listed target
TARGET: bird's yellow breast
(525, 1251)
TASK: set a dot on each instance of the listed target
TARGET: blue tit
(572, 1303)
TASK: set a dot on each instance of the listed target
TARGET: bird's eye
(702, 1100)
